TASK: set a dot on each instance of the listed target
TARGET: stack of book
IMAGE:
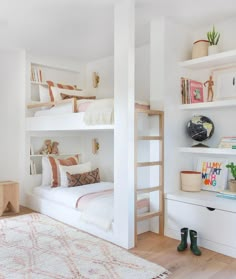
(227, 142)
(36, 74)
(191, 91)
(227, 195)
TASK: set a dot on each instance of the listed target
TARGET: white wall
(105, 68)
(12, 108)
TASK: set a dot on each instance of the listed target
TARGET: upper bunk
(56, 102)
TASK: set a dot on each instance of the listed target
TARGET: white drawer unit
(216, 227)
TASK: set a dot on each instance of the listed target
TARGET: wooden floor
(184, 265)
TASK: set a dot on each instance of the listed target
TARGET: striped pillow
(55, 167)
(59, 85)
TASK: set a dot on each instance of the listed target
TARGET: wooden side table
(9, 196)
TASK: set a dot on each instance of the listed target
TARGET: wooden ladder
(160, 163)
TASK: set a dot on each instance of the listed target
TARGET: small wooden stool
(9, 196)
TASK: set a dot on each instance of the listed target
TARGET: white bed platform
(71, 216)
(62, 122)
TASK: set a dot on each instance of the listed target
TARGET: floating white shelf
(205, 150)
(209, 105)
(212, 61)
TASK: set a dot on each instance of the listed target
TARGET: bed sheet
(93, 201)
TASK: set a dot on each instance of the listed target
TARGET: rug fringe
(163, 275)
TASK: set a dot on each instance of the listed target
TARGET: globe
(200, 128)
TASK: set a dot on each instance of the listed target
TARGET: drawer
(211, 224)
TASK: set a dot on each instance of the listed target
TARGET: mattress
(94, 202)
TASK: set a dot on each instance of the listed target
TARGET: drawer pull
(211, 208)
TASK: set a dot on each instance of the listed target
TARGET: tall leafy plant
(213, 36)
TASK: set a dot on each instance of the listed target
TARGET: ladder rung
(149, 138)
(149, 112)
(148, 190)
(148, 164)
(147, 215)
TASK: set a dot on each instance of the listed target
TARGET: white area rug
(34, 246)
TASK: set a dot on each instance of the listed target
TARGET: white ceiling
(83, 29)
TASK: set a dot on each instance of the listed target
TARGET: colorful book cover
(196, 91)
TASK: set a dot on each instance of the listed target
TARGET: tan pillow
(55, 167)
(80, 179)
(66, 96)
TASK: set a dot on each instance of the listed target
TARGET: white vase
(213, 49)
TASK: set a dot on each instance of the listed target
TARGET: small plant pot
(200, 48)
(213, 49)
(191, 181)
(232, 185)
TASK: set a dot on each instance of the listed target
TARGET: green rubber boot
(194, 248)
(183, 244)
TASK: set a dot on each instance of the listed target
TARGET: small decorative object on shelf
(200, 128)
(214, 173)
(213, 38)
(232, 182)
(210, 93)
(191, 91)
(49, 147)
(200, 49)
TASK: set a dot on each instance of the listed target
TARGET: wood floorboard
(184, 265)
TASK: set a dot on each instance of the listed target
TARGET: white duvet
(93, 201)
(99, 212)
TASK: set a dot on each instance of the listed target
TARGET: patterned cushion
(55, 167)
(66, 96)
(59, 85)
(83, 178)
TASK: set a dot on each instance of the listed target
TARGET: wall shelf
(205, 150)
(213, 61)
(209, 105)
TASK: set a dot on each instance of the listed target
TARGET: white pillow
(44, 96)
(46, 172)
(80, 168)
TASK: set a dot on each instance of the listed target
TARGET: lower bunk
(88, 207)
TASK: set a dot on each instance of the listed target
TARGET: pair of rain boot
(193, 237)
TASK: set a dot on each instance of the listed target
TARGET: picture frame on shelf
(214, 173)
(225, 83)
(196, 91)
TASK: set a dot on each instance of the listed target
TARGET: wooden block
(9, 196)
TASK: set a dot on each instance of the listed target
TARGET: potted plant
(232, 182)
(213, 38)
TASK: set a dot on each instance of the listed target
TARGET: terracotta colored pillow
(66, 96)
(80, 179)
(59, 85)
(55, 167)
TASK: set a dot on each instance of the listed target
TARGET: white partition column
(124, 123)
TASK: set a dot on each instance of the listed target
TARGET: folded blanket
(100, 112)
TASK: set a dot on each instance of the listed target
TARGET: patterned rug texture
(34, 246)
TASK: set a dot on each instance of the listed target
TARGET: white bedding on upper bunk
(100, 111)
(58, 109)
